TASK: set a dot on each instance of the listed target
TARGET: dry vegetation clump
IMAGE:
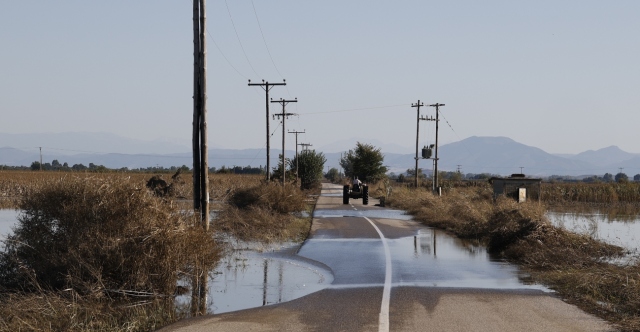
(54, 311)
(577, 266)
(223, 186)
(265, 212)
(255, 223)
(270, 196)
(98, 251)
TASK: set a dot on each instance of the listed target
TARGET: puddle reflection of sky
(624, 233)
(248, 279)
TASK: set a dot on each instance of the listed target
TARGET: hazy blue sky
(560, 75)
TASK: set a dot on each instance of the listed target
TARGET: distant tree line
(607, 177)
(237, 170)
(55, 165)
(444, 175)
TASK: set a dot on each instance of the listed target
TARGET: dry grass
(14, 184)
(96, 253)
(54, 311)
(576, 266)
(265, 212)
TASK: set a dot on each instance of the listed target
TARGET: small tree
(607, 177)
(333, 175)
(621, 177)
(591, 179)
(277, 171)
(35, 166)
(411, 173)
(311, 164)
(365, 162)
(636, 177)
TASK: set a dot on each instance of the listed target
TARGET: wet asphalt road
(377, 286)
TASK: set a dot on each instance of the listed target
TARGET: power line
(224, 56)
(265, 40)
(356, 109)
(458, 136)
(238, 37)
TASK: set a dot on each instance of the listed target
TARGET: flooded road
(419, 256)
(377, 270)
(248, 279)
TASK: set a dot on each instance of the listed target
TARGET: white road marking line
(383, 324)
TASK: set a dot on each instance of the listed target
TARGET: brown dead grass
(97, 253)
(266, 212)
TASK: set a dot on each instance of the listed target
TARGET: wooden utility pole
(200, 153)
(417, 105)
(267, 86)
(296, 133)
(40, 159)
(435, 178)
(284, 115)
(305, 146)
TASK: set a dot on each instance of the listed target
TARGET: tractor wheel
(365, 195)
(345, 194)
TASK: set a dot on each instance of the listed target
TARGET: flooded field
(621, 230)
(8, 219)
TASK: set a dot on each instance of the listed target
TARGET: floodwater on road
(620, 230)
(248, 279)
(431, 258)
(382, 213)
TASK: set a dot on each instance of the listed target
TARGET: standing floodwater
(620, 230)
(8, 219)
(248, 279)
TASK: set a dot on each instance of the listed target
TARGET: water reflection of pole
(434, 242)
(265, 283)
(199, 292)
(415, 245)
(280, 281)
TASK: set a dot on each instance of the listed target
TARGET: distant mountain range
(494, 155)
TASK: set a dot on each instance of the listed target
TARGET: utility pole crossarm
(266, 85)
